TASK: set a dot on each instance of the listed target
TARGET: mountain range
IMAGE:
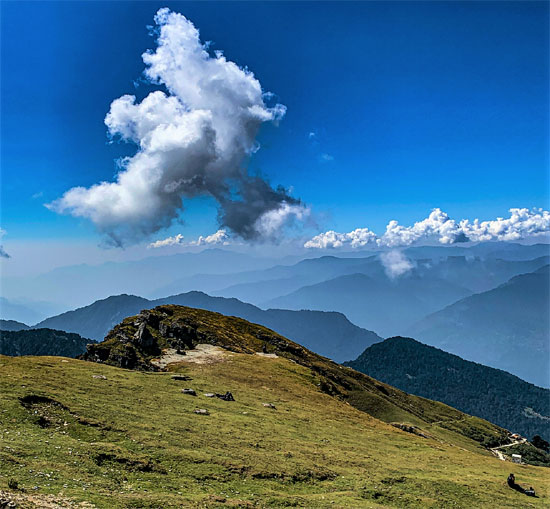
(328, 333)
(506, 328)
(489, 393)
(13, 325)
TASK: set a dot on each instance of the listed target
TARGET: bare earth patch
(201, 354)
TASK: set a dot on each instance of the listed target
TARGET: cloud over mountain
(220, 238)
(522, 223)
(192, 141)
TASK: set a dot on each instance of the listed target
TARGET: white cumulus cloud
(176, 240)
(360, 237)
(219, 238)
(192, 141)
(522, 224)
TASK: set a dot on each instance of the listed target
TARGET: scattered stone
(226, 397)
(210, 395)
(202, 411)
(269, 405)
(189, 392)
(101, 377)
(409, 429)
(181, 377)
(64, 360)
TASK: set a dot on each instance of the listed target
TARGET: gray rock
(143, 337)
(226, 397)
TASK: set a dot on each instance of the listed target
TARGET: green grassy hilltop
(73, 431)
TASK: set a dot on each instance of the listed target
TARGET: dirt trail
(201, 354)
(499, 455)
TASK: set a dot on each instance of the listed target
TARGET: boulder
(226, 397)
(189, 392)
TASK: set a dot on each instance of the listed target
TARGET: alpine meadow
(274, 254)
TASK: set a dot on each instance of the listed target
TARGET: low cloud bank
(522, 224)
(395, 263)
(192, 141)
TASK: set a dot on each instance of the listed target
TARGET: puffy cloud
(357, 238)
(437, 224)
(326, 157)
(219, 238)
(3, 253)
(272, 222)
(192, 141)
(176, 240)
(395, 263)
(522, 224)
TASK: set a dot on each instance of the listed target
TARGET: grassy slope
(132, 440)
(186, 327)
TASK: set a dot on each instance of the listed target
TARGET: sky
(389, 110)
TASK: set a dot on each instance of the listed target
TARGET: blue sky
(412, 105)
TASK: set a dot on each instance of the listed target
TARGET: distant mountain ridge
(132, 277)
(13, 325)
(330, 334)
(457, 267)
(384, 306)
(506, 328)
(489, 393)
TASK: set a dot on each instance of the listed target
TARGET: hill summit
(168, 334)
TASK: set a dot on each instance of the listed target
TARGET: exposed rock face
(134, 343)
(143, 337)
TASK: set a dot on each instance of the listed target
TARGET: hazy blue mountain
(507, 327)
(330, 334)
(308, 271)
(12, 325)
(77, 285)
(95, 320)
(42, 342)
(475, 273)
(489, 393)
(262, 291)
(380, 304)
(259, 287)
(502, 250)
(19, 312)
